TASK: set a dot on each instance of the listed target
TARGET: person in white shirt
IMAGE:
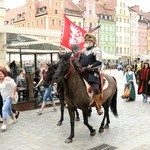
(8, 92)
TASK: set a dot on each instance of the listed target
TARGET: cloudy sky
(144, 4)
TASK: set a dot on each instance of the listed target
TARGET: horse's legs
(108, 120)
(77, 115)
(62, 105)
(85, 117)
(72, 119)
(101, 129)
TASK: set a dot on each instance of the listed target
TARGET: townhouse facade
(124, 30)
(134, 32)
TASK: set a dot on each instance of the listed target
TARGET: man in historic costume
(91, 60)
(144, 81)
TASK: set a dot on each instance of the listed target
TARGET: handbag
(15, 101)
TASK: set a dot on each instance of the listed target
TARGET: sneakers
(12, 121)
(39, 112)
(3, 127)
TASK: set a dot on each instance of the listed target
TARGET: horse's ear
(69, 54)
(66, 56)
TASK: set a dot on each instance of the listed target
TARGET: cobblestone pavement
(130, 131)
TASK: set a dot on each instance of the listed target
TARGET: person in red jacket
(144, 81)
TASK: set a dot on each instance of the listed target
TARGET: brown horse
(76, 95)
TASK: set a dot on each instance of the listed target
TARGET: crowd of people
(12, 83)
(138, 73)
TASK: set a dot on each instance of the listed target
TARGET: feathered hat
(90, 37)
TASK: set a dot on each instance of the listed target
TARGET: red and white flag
(72, 34)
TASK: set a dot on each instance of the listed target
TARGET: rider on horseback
(91, 60)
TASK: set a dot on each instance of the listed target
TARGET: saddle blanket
(89, 89)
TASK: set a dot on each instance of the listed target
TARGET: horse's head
(62, 67)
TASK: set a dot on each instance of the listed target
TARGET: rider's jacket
(91, 57)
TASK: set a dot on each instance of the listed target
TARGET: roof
(71, 8)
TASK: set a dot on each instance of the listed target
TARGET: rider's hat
(90, 37)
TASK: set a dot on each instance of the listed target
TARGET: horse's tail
(113, 105)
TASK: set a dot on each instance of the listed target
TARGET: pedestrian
(37, 78)
(8, 92)
(9, 74)
(13, 68)
(144, 81)
(129, 88)
(90, 60)
(21, 79)
(21, 82)
(46, 78)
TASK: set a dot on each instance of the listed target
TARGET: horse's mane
(76, 64)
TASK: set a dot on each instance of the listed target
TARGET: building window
(53, 22)
(41, 22)
(18, 16)
(23, 15)
(56, 4)
(110, 17)
(12, 21)
(59, 22)
(6, 22)
(56, 11)
(43, 9)
(120, 19)
(120, 50)
(90, 12)
(80, 24)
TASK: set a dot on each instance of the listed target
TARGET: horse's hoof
(59, 123)
(93, 133)
(89, 115)
(106, 126)
(68, 141)
(77, 119)
(101, 130)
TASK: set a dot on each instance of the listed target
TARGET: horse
(76, 96)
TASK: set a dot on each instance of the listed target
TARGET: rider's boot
(98, 103)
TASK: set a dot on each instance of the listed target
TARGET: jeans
(7, 108)
(48, 94)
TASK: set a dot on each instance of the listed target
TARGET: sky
(144, 4)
